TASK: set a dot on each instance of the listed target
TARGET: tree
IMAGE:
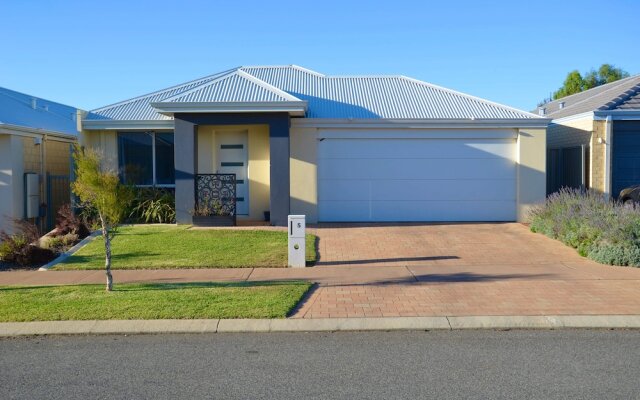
(575, 83)
(102, 191)
(572, 84)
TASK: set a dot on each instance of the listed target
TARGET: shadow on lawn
(115, 258)
(200, 285)
(142, 287)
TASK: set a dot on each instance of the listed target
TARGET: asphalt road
(461, 364)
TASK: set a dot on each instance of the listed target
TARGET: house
(334, 148)
(594, 138)
(35, 139)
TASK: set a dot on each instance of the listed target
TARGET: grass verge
(165, 247)
(150, 301)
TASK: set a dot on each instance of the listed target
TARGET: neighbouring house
(35, 140)
(334, 148)
(594, 138)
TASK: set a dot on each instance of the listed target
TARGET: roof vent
(542, 111)
(34, 103)
(561, 105)
(45, 107)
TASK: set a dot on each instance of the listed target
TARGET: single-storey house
(334, 148)
(35, 139)
(594, 138)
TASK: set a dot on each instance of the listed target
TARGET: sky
(93, 53)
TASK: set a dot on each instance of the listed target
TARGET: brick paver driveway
(460, 269)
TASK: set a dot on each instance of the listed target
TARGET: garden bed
(604, 231)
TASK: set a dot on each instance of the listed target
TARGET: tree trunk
(107, 251)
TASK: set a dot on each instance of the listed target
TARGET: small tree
(101, 190)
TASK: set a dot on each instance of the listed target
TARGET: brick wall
(58, 158)
(31, 155)
(598, 155)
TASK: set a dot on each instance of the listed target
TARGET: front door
(233, 159)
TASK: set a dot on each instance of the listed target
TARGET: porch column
(279, 170)
(186, 161)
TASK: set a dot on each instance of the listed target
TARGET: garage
(417, 175)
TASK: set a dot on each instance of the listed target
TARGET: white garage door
(432, 178)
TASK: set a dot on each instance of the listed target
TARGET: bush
(604, 231)
(20, 248)
(58, 243)
(68, 223)
(153, 205)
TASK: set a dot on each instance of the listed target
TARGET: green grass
(150, 247)
(150, 301)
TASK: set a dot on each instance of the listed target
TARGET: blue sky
(89, 54)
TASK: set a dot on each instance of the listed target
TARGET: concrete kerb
(9, 329)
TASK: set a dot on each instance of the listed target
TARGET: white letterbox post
(297, 251)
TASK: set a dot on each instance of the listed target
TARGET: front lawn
(151, 247)
(150, 301)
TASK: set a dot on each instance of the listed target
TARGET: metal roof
(335, 97)
(236, 87)
(140, 109)
(618, 95)
(389, 97)
(20, 109)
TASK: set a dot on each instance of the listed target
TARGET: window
(146, 158)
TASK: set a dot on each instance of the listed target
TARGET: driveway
(437, 244)
(461, 269)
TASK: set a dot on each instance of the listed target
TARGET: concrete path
(422, 270)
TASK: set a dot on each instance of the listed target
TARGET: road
(579, 364)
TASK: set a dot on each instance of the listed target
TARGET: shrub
(51, 242)
(68, 223)
(604, 231)
(153, 205)
(19, 247)
(58, 243)
(615, 254)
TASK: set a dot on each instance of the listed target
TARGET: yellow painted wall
(259, 175)
(206, 150)
(304, 172)
(531, 170)
(572, 133)
(106, 143)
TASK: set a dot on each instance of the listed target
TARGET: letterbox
(297, 250)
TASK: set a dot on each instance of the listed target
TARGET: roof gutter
(10, 129)
(602, 115)
(294, 108)
(421, 123)
(104, 124)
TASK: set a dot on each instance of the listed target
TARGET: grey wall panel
(625, 158)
